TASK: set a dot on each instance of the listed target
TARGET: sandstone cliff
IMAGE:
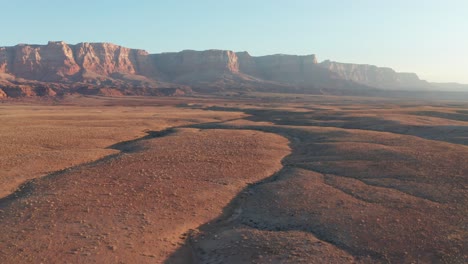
(289, 68)
(371, 75)
(302, 71)
(52, 62)
(59, 68)
(2, 94)
(193, 66)
(109, 60)
(60, 62)
(103, 68)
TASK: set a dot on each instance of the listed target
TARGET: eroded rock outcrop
(4, 59)
(52, 62)
(90, 67)
(2, 94)
(193, 66)
(371, 75)
(285, 67)
(290, 69)
(105, 59)
(19, 91)
(60, 62)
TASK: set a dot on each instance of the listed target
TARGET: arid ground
(263, 178)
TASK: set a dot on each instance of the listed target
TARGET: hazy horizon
(425, 37)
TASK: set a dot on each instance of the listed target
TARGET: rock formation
(190, 66)
(103, 68)
(2, 94)
(52, 62)
(374, 76)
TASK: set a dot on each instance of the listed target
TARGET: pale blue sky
(429, 37)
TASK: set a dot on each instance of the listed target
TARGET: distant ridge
(104, 68)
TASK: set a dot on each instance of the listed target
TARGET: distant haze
(427, 37)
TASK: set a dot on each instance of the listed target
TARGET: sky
(429, 37)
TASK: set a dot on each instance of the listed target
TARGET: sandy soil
(39, 139)
(138, 206)
(262, 179)
(367, 197)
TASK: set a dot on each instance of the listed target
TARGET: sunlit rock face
(58, 68)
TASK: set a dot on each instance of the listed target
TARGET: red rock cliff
(85, 67)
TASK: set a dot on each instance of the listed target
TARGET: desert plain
(260, 178)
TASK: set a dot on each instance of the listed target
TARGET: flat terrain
(37, 139)
(259, 179)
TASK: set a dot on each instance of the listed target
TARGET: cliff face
(107, 59)
(226, 69)
(104, 59)
(285, 67)
(2, 94)
(58, 68)
(196, 66)
(374, 76)
(52, 62)
(60, 62)
(290, 68)
(5, 60)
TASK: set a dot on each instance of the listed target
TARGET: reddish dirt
(36, 140)
(139, 206)
(367, 196)
(362, 181)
